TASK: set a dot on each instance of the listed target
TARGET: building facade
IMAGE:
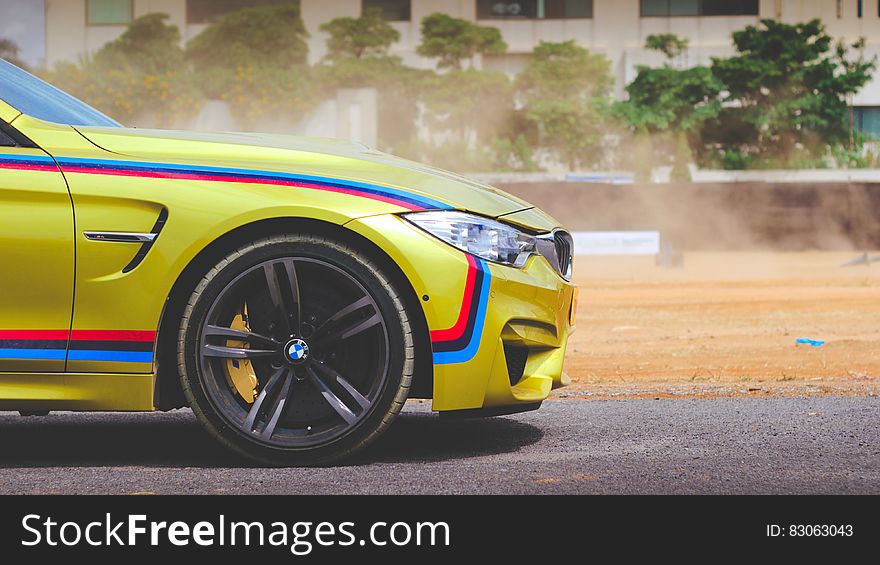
(616, 28)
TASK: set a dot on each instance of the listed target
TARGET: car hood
(309, 156)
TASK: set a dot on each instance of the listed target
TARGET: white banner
(616, 242)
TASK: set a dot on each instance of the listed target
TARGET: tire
(305, 371)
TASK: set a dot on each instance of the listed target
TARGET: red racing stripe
(244, 180)
(34, 335)
(113, 335)
(23, 167)
(79, 335)
(456, 331)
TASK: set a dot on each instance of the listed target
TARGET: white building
(617, 28)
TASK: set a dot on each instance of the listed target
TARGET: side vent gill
(147, 245)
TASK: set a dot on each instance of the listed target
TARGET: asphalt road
(825, 444)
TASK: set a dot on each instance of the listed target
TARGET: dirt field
(726, 324)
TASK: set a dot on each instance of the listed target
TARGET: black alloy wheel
(296, 350)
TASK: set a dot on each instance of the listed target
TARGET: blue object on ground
(808, 341)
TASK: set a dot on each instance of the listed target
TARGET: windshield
(30, 95)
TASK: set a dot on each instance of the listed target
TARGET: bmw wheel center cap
(296, 351)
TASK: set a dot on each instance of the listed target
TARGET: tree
(666, 105)
(666, 98)
(368, 35)
(671, 102)
(9, 50)
(671, 45)
(398, 86)
(453, 40)
(514, 154)
(149, 44)
(140, 76)
(787, 96)
(268, 36)
(565, 91)
(263, 98)
(471, 104)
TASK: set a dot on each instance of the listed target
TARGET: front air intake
(516, 357)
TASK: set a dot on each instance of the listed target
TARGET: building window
(392, 10)
(866, 119)
(534, 9)
(859, 9)
(670, 8)
(209, 11)
(108, 12)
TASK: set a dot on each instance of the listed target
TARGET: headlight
(478, 236)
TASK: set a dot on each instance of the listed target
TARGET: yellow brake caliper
(241, 371)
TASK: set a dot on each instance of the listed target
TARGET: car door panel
(116, 310)
(36, 261)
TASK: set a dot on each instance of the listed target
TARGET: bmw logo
(297, 350)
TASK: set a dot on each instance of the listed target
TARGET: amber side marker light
(572, 316)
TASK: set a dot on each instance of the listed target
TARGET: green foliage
(260, 93)
(127, 93)
(787, 95)
(573, 129)
(666, 103)
(508, 151)
(272, 35)
(564, 71)
(470, 104)
(367, 72)
(149, 45)
(856, 157)
(9, 51)
(466, 112)
(666, 98)
(255, 59)
(368, 35)
(140, 75)
(671, 45)
(513, 155)
(358, 58)
(733, 160)
(453, 40)
(565, 91)
(780, 101)
(398, 90)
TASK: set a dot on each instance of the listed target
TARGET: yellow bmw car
(293, 292)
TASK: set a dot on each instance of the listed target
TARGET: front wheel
(295, 350)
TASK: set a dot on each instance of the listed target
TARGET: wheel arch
(168, 393)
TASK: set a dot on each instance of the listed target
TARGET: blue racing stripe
(466, 354)
(120, 356)
(28, 158)
(423, 201)
(110, 164)
(53, 354)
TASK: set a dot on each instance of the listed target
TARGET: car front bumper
(498, 333)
